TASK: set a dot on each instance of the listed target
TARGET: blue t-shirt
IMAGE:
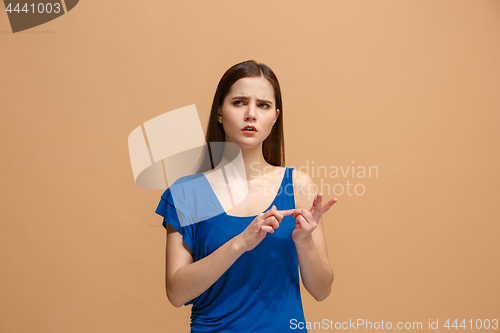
(260, 292)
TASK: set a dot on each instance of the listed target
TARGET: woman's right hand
(260, 226)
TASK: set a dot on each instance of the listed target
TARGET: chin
(249, 145)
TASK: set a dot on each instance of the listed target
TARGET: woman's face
(250, 101)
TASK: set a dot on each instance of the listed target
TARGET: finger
(270, 212)
(328, 205)
(307, 216)
(272, 221)
(267, 228)
(302, 221)
(317, 200)
(299, 211)
(317, 205)
(286, 212)
(279, 214)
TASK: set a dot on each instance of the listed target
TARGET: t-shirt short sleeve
(166, 208)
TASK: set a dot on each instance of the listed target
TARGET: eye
(238, 103)
(264, 106)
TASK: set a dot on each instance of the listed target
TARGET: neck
(251, 160)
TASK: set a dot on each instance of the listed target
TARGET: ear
(219, 116)
(277, 115)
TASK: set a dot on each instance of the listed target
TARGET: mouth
(249, 129)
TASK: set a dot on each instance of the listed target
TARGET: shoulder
(304, 189)
(187, 178)
(184, 188)
(302, 179)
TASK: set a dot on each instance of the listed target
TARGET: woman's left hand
(307, 221)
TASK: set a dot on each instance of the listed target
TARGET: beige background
(411, 87)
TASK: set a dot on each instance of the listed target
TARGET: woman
(240, 268)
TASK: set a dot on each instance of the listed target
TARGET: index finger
(279, 214)
(287, 212)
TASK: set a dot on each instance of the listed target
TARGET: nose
(250, 113)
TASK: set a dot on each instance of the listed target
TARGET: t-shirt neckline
(253, 216)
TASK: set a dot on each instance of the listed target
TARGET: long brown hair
(273, 147)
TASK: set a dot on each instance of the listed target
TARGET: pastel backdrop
(408, 87)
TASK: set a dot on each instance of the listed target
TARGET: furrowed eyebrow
(246, 98)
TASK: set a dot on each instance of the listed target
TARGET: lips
(249, 128)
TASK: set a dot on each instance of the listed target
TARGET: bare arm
(315, 269)
(310, 242)
(186, 279)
